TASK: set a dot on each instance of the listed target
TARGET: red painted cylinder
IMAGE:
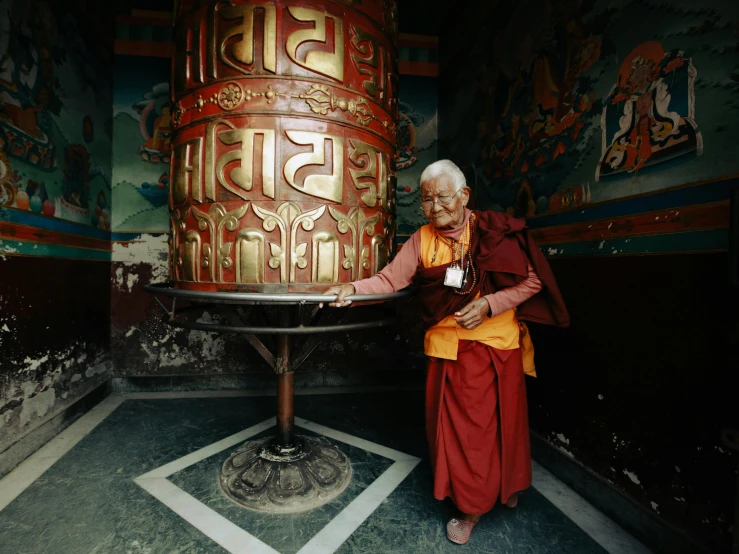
(284, 133)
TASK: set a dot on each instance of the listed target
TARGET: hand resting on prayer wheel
(341, 292)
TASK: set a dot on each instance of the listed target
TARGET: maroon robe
(476, 410)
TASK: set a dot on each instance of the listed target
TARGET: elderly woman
(478, 275)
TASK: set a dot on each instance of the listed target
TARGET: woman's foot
(512, 501)
(458, 530)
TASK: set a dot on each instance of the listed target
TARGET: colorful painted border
(10, 247)
(688, 218)
(26, 233)
(715, 190)
(676, 243)
(701, 217)
(55, 224)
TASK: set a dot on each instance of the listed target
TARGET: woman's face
(442, 189)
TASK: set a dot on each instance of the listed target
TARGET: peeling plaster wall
(54, 316)
(54, 265)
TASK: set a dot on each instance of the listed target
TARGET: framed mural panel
(55, 130)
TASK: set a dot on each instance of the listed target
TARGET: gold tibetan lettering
(322, 186)
(243, 174)
(330, 64)
(209, 169)
(367, 60)
(187, 66)
(242, 51)
(211, 28)
(373, 172)
(187, 173)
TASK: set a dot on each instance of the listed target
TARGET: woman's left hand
(472, 314)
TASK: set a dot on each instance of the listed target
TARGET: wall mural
(591, 101)
(142, 131)
(54, 116)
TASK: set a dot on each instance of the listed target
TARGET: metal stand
(287, 473)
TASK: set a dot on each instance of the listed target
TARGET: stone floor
(139, 474)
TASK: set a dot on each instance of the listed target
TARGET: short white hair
(445, 167)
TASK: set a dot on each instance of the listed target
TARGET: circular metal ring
(166, 289)
(299, 330)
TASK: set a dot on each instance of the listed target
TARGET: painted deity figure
(648, 118)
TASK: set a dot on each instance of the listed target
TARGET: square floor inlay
(189, 486)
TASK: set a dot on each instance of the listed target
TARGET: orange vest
(502, 331)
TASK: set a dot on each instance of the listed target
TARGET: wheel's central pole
(285, 409)
(285, 385)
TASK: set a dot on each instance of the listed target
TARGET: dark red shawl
(502, 248)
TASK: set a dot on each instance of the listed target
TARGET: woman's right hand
(341, 292)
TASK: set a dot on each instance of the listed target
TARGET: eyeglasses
(427, 205)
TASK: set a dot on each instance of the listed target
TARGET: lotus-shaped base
(267, 477)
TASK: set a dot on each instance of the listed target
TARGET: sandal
(459, 530)
(512, 501)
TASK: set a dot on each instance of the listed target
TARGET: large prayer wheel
(284, 117)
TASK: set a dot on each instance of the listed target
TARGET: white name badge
(454, 277)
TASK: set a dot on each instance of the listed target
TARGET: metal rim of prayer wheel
(282, 181)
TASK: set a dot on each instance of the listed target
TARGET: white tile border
(331, 537)
(33, 467)
(354, 441)
(601, 529)
(236, 540)
(229, 536)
